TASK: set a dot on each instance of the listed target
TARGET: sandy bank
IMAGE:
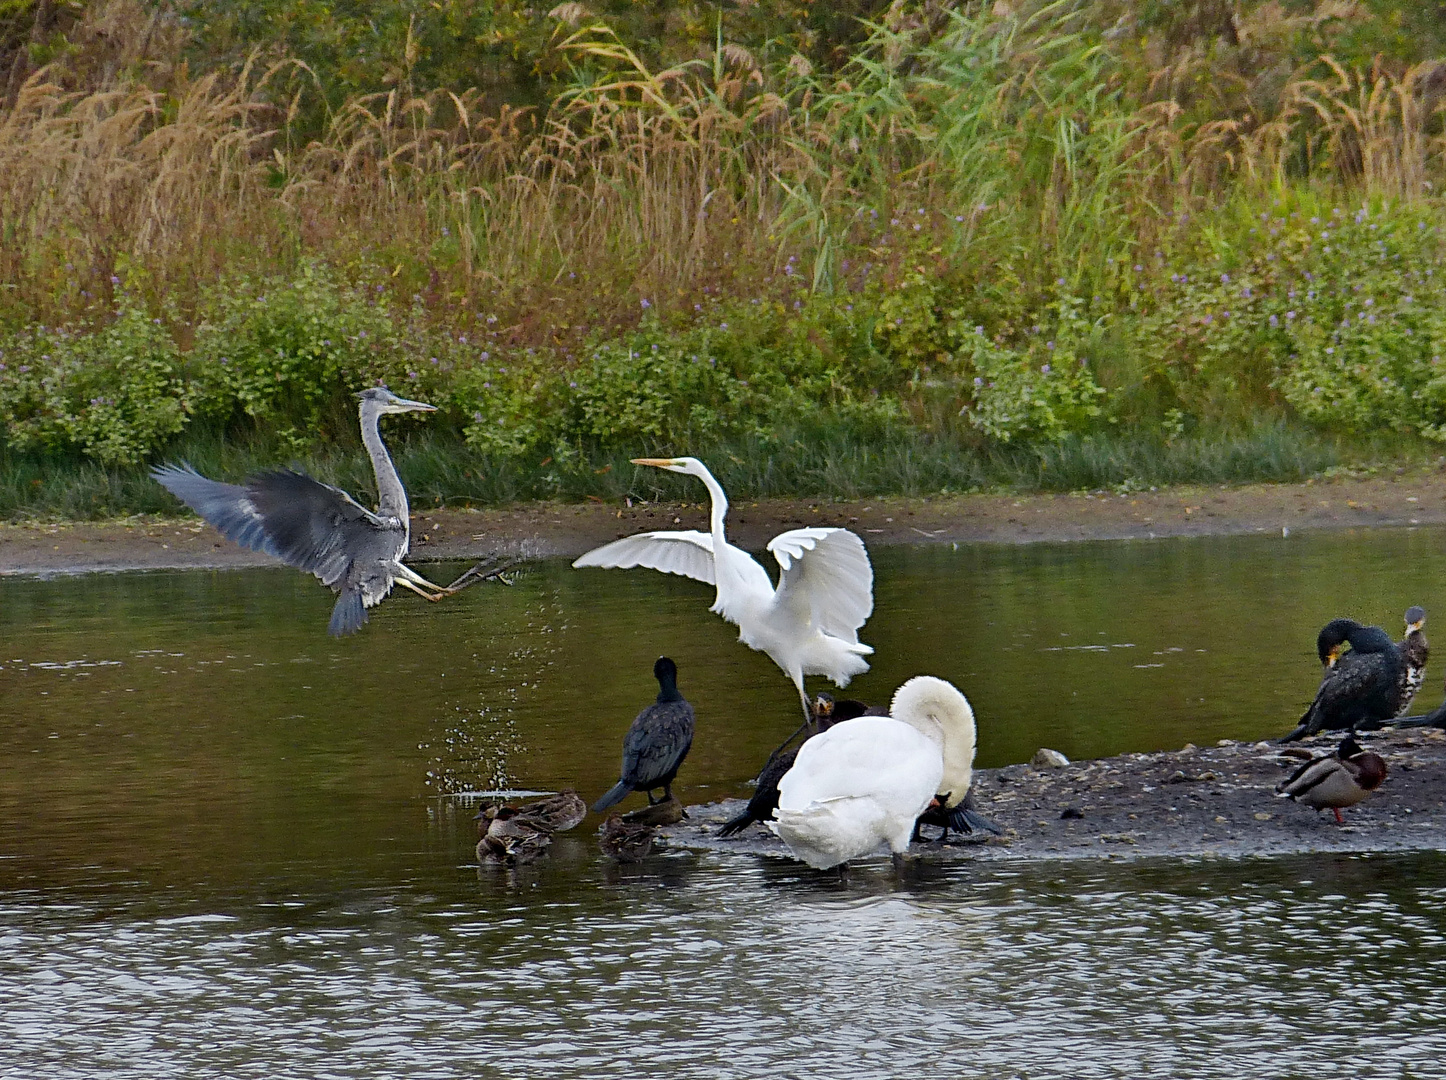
(554, 529)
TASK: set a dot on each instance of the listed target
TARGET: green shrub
(288, 352)
(115, 393)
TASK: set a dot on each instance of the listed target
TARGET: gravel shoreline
(1196, 802)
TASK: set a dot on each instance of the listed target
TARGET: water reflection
(227, 844)
(730, 969)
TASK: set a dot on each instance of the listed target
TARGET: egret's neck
(720, 505)
(391, 496)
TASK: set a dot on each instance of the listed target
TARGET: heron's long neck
(391, 496)
(720, 505)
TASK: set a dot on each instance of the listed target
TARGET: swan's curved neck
(391, 496)
(720, 503)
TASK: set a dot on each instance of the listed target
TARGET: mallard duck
(866, 782)
(557, 813)
(1360, 689)
(625, 842)
(826, 713)
(656, 743)
(1334, 781)
(1414, 654)
(510, 837)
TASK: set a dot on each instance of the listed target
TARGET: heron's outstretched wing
(689, 553)
(827, 573)
(303, 522)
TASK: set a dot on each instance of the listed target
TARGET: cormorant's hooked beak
(1335, 654)
(1411, 628)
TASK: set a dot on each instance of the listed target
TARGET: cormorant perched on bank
(1414, 653)
(1336, 780)
(1361, 689)
(657, 742)
(826, 713)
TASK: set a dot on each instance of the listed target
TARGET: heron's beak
(403, 405)
(656, 462)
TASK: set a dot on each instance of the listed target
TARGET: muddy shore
(1195, 802)
(555, 529)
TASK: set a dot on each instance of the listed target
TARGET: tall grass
(1035, 132)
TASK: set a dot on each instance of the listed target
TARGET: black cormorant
(1362, 688)
(826, 713)
(963, 818)
(1336, 780)
(657, 742)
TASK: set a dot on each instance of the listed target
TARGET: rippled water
(231, 847)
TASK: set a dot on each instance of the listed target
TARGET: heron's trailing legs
(483, 571)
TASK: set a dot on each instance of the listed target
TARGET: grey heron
(321, 529)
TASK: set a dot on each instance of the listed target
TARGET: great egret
(866, 782)
(808, 625)
(321, 529)
(656, 743)
(1337, 780)
(1360, 689)
(1414, 654)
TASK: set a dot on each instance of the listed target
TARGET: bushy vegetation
(927, 247)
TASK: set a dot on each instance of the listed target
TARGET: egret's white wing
(826, 575)
(688, 553)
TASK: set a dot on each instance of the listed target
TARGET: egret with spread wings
(322, 529)
(808, 625)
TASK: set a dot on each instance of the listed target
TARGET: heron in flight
(321, 529)
(808, 625)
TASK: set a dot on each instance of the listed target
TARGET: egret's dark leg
(918, 833)
(808, 717)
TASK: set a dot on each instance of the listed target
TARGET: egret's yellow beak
(658, 462)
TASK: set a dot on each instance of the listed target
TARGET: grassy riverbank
(440, 469)
(1032, 245)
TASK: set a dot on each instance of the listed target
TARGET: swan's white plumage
(926, 696)
(807, 625)
(854, 787)
(864, 783)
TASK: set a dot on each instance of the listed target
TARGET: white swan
(866, 782)
(809, 625)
